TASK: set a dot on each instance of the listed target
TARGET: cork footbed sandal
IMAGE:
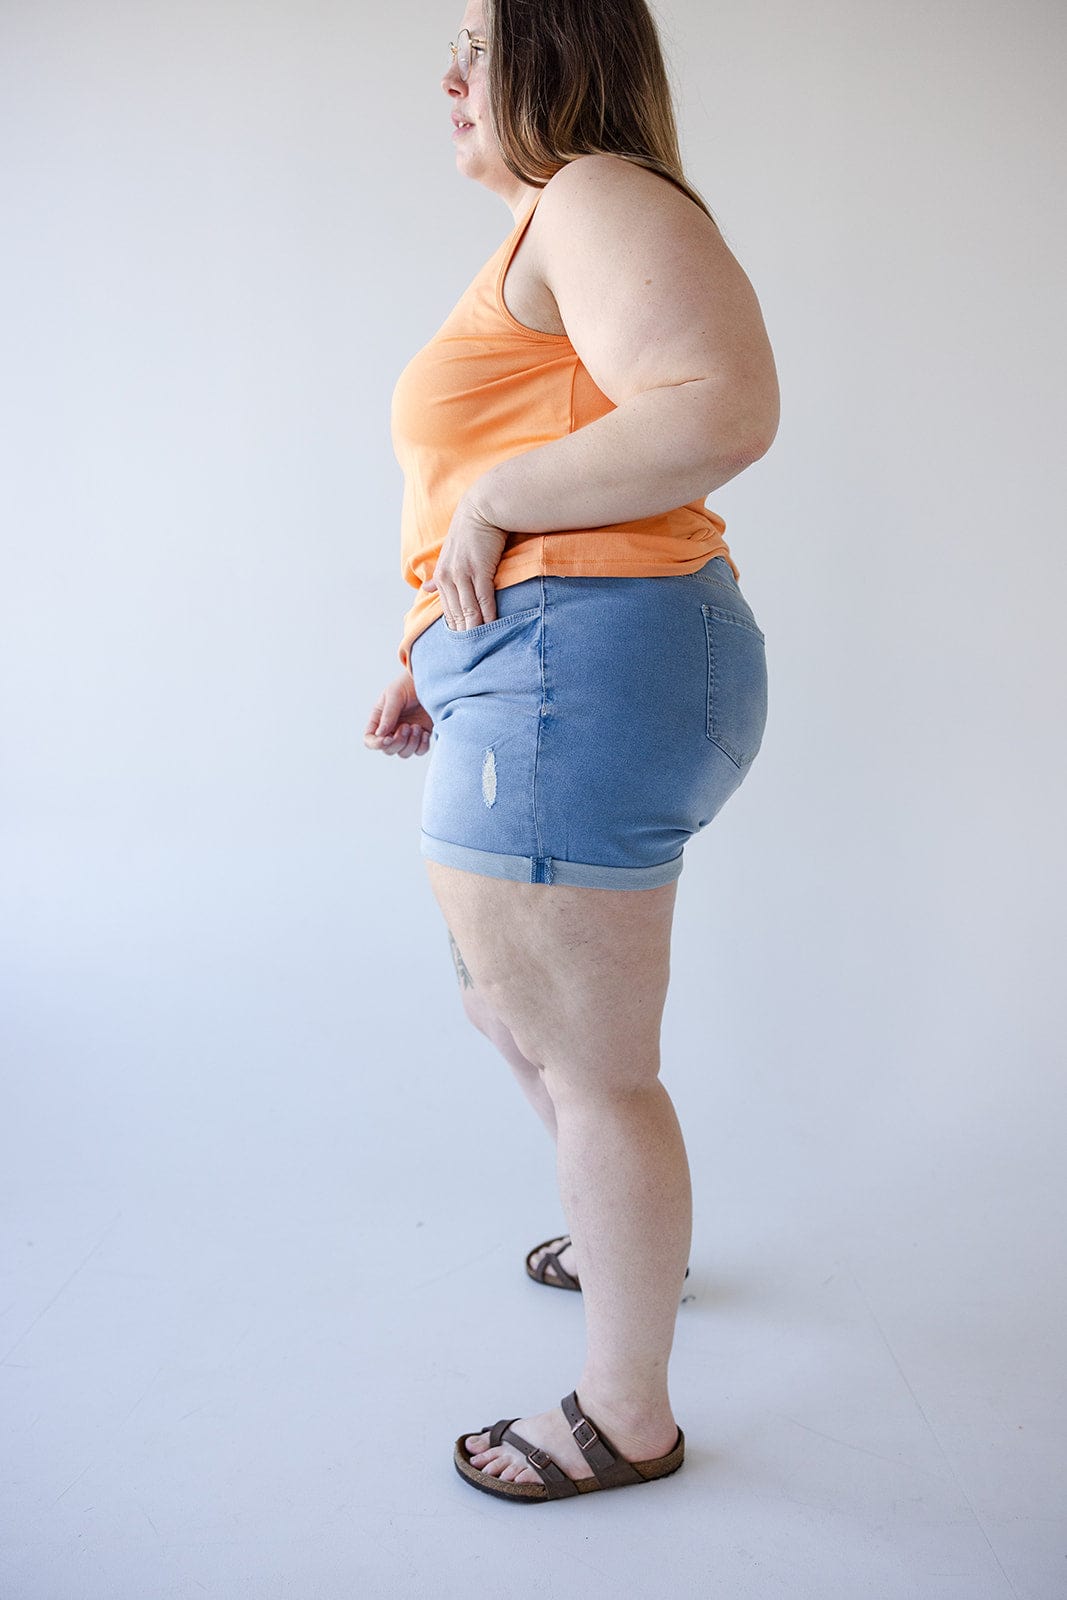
(550, 1261)
(610, 1469)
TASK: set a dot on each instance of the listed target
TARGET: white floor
(262, 1263)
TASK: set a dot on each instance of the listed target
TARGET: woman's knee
(569, 1061)
(492, 1025)
(576, 977)
(594, 1077)
(479, 1012)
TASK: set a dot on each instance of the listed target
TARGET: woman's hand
(466, 568)
(398, 725)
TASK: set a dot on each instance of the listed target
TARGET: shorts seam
(541, 710)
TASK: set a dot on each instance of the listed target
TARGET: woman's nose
(452, 83)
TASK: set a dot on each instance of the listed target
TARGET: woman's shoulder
(613, 197)
(611, 184)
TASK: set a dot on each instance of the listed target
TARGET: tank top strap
(522, 225)
(507, 255)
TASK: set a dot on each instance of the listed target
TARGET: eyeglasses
(464, 50)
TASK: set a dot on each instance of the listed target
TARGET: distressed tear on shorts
(489, 777)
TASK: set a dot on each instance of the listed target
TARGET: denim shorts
(591, 728)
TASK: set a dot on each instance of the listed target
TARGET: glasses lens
(463, 53)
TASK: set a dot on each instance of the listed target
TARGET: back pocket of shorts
(737, 683)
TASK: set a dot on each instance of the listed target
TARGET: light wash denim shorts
(591, 728)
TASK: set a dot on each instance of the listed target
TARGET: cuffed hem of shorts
(547, 869)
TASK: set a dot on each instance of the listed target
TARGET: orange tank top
(486, 388)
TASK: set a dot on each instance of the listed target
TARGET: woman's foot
(550, 1430)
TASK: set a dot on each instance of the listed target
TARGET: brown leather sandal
(563, 1278)
(610, 1469)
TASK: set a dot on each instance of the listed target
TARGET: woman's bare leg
(529, 1077)
(579, 977)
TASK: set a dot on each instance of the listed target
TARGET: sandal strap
(610, 1469)
(553, 1257)
(556, 1481)
(496, 1432)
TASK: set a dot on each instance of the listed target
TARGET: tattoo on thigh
(461, 966)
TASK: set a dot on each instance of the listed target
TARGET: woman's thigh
(578, 975)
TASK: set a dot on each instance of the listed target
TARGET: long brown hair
(569, 78)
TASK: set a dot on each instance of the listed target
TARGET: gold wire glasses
(464, 49)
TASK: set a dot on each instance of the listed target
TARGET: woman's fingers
(386, 732)
(468, 606)
(388, 710)
(464, 574)
(408, 740)
(447, 596)
(461, 604)
(413, 744)
(386, 739)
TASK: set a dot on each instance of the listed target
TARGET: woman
(581, 659)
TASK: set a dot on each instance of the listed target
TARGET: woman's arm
(669, 328)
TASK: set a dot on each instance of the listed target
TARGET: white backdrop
(228, 996)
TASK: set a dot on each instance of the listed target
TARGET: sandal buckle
(532, 1455)
(590, 1437)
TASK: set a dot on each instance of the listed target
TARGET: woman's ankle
(629, 1414)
